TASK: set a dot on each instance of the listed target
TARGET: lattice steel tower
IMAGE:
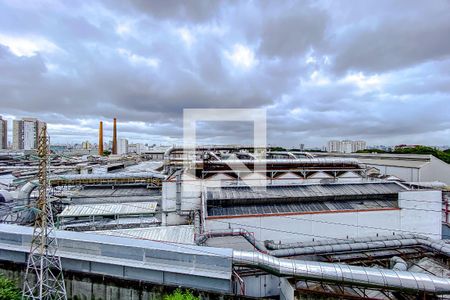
(44, 278)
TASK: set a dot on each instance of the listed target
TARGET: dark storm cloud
(414, 33)
(176, 10)
(376, 70)
(293, 31)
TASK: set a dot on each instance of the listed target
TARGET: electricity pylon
(44, 278)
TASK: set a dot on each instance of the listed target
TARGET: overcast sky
(373, 70)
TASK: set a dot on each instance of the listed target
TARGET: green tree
(277, 149)
(8, 289)
(178, 294)
(442, 155)
(371, 151)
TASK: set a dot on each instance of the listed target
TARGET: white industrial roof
(386, 159)
(129, 208)
(182, 234)
(394, 162)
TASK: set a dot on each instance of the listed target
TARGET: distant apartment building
(334, 146)
(345, 146)
(3, 133)
(26, 133)
(86, 145)
(122, 147)
(135, 148)
(358, 145)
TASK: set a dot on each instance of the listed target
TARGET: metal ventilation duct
(343, 274)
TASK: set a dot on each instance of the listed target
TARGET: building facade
(122, 147)
(26, 133)
(135, 148)
(17, 135)
(3, 133)
(345, 146)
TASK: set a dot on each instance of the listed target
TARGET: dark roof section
(243, 195)
(293, 208)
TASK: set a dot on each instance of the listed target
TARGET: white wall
(437, 170)
(422, 212)
(262, 285)
(419, 213)
(286, 290)
(318, 226)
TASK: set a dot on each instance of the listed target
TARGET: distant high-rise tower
(100, 139)
(114, 145)
(17, 135)
(3, 133)
(26, 132)
(122, 147)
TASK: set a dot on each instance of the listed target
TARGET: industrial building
(407, 167)
(234, 221)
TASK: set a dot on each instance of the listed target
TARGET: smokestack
(114, 146)
(100, 139)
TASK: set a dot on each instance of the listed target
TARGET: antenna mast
(43, 278)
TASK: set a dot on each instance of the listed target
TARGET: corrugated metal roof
(303, 207)
(123, 222)
(148, 174)
(303, 191)
(130, 208)
(183, 234)
(120, 241)
(118, 195)
(109, 192)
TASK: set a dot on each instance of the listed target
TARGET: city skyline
(72, 65)
(107, 138)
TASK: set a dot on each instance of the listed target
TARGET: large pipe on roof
(343, 274)
(201, 239)
(306, 161)
(178, 192)
(398, 263)
(311, 160)
(332, 246)
(336, 246)
(307, 154)
(271, 245)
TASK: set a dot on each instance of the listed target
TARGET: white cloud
(28, 46)
(138, 59)
(123, 28)
(318, 78)
(186, 36)
(242, 57)
(364, 82)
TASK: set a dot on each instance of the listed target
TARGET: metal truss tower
(44, 278)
